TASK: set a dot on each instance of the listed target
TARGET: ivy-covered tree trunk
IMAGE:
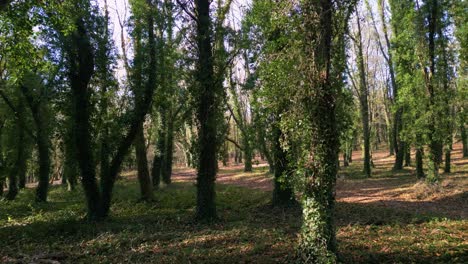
(464, 139)
(408, 156)
(2, 183)
(159, 154)
(22, 170)
(43, 144)
(448, 158)
(435, 145)
(19, 164)
(142, 105)
(207, 113)
(79, 52)
(168, 153)
(282, 192)
(248, 152)
(318, 239)
(419, 163)
(146, 188)
(21, 159)
(363, 99)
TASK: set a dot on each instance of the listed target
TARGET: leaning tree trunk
(142, 105)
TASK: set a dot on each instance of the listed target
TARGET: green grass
(249, 230)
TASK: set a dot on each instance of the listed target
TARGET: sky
(120, 10)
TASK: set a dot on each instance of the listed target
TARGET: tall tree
(363, 94)
(323, 23)
(209, 98)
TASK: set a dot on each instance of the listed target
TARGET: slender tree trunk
(156, 169)
(17, 167)
(448, 158)
(22, 160)
(435, 146)
(364, 102)
(247, 154)
(408, 156)
(169, 153)
(44, 158)
(419, 163)
(2, 183)
(146, 188)
(206, 113)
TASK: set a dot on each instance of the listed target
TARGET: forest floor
(389, 218)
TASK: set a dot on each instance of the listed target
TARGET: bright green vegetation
(249, 229)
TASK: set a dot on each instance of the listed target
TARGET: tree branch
(235, 143)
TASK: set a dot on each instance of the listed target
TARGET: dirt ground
(400, 190)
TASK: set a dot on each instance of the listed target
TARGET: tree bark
(364, 102)
(419, 163)
(282, 192)
(318, 238)
(206, 114)
(146, 187)
(80, 55)
(169, 153)
(464, 139)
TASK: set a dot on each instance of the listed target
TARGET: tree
(73, 30)
(362, 90)
(319, 94)
(208, 98)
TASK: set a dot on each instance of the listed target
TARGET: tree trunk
(146, 188)
(464, 139)
(142, 105)
(207, 114)
(435, 146)
(247, 154)
(399, 152)
(419, 163)
(318, 238)
(80, 56)
(364, 102)
(408, 156)
(44, 157)
(17, 167)
(156, 170)
(22, 160)
(2, 183)
(448, 158)
(169, 153)
(70, 169)
(282, 192)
